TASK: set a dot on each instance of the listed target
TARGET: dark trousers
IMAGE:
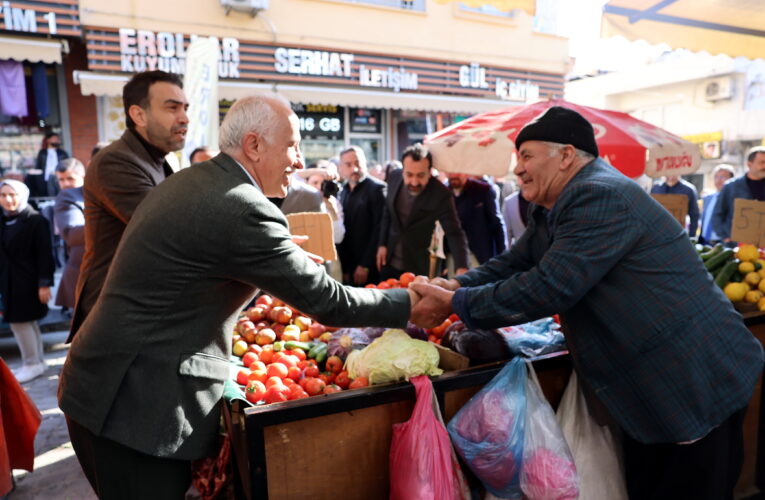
(389, 271)
(118, 472)
(706, 469)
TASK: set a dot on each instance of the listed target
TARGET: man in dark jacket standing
(123, 173)
(658, 348)
(43, 182)
(750, 186)
(479, 214)
(363, 198)
(415, 201)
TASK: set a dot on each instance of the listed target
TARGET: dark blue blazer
(480, 218)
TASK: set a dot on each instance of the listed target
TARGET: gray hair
(555, 147)
(255, 113)
(359, 154)
(72, 164)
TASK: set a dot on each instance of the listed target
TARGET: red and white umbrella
(483, 144)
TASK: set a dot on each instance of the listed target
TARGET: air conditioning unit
(251, 7)
(718, 89)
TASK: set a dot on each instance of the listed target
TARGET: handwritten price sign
(676, 204)
(748, 222)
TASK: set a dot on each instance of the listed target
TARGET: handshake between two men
(431, 300)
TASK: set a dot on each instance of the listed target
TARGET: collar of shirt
(155, 153)
(248, 175)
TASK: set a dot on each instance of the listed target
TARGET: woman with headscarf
(26, 274)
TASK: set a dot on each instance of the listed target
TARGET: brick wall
(83, 121)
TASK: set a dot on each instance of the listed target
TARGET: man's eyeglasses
(54, 144)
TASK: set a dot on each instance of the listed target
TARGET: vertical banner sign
(200, 84)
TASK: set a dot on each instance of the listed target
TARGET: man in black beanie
(658, 349)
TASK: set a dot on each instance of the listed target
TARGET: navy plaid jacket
(652, 335)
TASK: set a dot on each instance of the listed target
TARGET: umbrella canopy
(483, 144)
(733, 27)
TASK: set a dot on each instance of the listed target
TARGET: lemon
(761, 304)
(753, 296)
(747, 252)
(761, 286)
(752, 278)
(745, 267)
(736, 291)
(761, 272)
(761, 262)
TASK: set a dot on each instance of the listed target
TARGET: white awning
(106, 84)
(30, 49)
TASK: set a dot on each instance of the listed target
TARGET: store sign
(143, 50)
(312, 62)
(473, 76)
(25, 20)
(517, 90)
(319, 121)
(396, 79)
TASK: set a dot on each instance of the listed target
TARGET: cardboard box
(451, 360)
(318, 227)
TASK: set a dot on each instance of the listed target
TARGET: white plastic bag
(548, 471)
(595, 449)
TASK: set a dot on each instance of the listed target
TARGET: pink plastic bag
(423, 465)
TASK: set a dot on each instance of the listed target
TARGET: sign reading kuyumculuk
(144, 50)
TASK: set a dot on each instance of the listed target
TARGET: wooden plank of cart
(338, 445)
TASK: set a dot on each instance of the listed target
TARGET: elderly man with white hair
(142, 385)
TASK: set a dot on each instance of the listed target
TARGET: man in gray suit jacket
(142, 384)
(123, 173)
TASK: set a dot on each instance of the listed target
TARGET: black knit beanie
(560, 125)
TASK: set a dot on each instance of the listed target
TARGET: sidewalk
(57, 473)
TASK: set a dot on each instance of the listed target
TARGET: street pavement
(57, 474)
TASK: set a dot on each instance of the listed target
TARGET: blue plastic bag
(488, 432)
(535, 338)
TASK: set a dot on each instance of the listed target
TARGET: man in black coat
(363, 199)
(415, 201)
(479, 214)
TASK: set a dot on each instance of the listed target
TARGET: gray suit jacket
(69, 216)
(147, 366)
(119, 177)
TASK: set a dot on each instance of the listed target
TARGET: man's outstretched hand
(434, 306)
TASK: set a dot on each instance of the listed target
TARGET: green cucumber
(714, 251)
(321, 355)
(718, 260)
(315, 349)
(294, 344)
(726, 274)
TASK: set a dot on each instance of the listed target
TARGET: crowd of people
(160, 262)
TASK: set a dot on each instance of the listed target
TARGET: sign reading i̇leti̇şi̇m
(144, 50)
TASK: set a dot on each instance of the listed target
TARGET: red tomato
(294, 373)
(249, 358)
(241, 376)
(258, 365)
(276, 394)
(359, 382)
(259, 375)
(315, 386)
(277, 369)
(299, 395)
(300, 353)
(393, 282)
(332, 388)
(454, 318)
(406, 278)
(343, 380)
(255, 348)
(370, 285)
(303, 381)
(273, 381)
(302, 364)
(311, 371)
(254, 391)
(334, 364)
(432, 338)
(324, 377)
(267, 356)
(383, 286)
(291, 360)
(288, 382)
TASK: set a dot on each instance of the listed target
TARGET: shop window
(489, 10)
(21, 136)
(417, 5)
